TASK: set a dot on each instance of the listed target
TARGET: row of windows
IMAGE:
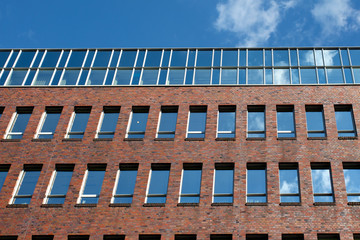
(196, 122)
(320, 236)
(156, 192)
(179, 67)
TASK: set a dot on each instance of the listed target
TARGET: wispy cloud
(28, 35)
(253, 21)
(336, 16)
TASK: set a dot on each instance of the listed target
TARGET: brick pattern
(204, 219)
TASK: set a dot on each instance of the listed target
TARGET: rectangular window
(150, 237)
(48, 123)
(137, 122)
(285, 121)
(226, 122)
(1, 111)
(167, 122)
(107, 123)
(356, 236)
(289, 182)
(185, 237)
(114, 237)
(78, 122)
(197, 122)
(26, 183)
(256, 237)
(91, 186)
(328, 237)
(322, 183)
(59, 184)
(158, 183)
(223, 190)
(256, 183)
(256, 122)
(220, 237)
(352, 180)
(190, 183)
(315, 121)
(42, 237)
(4, 169)
(345, 121)
(8, 237)
(78, 237)
(292, 237)
(125, 183)
(18, 123)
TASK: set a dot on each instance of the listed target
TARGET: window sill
(164, 139)
(10, 140)
(86, 205)
(324, 204)
(17, 205)
(154, 205)
(255, 139)
(72, 140)
(188, 204)
(194, 139)
(133, 139)
(225, 139)
(51, 205)
(222, 204)
(41, 140)
(290, 204)
(120, 205)
(286, 138)
(256, 204)
(353, 203)
(347, 138)
(317, 138)
(102, 139)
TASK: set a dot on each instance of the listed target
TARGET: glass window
(125, 184)
(78, 122)
(176, 76)
(223, 191)
(315, 121)
(285, 121)
(167, 122)
(289, 182)
(150, 237)
(352, 180)
(51, 59)
(178, 58)
(255, 58)
(96, 77)
(48, 122)
(78, 237)
(3, 57)
(153, 58)
(256, 237)
(25, 59)
(185, 237)
(42, 237)
(91, 186)
(332, 58)
(328, 237)
(292, 237)
(319, 58)
(102, 58)
(281, 76)
(137, 122)
(16, 77)
(256, 183)
(197, 122)
(4, 169)
(123, 77)
(228, 76)
(345, 121)
(158, 183)
(256, 122)
(76, 59)
(306, 57)
(127, 58)
(204, 58)
(308, 76)
(18, 123)
(220, 237)
(107, 122)
(226, 122)
(355, 57)
(322, 183)
(281, 58)
(114, 237)
(59, 184)
(334, 75)
(149, 77)
(26, 184)
(255, 76)
(43, 77)
(70, 77)
(190, 183)
(229, 58)
(202, 76)
(356, 236)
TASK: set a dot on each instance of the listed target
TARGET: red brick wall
(204, 219)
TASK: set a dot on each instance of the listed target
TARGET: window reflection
(230, 58)
(332, 58)
(306, 57)
(255, 76)
(202, 76)
(255, 58)
(281, 58)
(204, 58)
(178, 58)
(153, 58)
(281, 76)
(228, 76)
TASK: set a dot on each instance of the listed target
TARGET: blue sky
(179, 23)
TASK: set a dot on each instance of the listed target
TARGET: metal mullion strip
(49, 188)
(148, 185)
(237, 67)
(142, 67)
(181, 185)
(132, 75)
(118, 61)
(212, 66)
(83, 186)
(90, 70)
(122, 195)
(56, 68)
(115, 185)
(186, 65)
(17, 186)
(42, 59)
(160, 66)
(168, 68)
(8, 59)
(348, 56)
(298, 65)
(34, 57)
(220, 69)
(17, 59)
(26, 76)
(247, 67)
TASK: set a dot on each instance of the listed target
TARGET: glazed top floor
(179, 66)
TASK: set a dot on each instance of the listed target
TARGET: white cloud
(254, 21)
(336, 15)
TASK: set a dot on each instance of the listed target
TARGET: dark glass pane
(217, 57)
(295, 76)
(56, 78)
(61, 183)
(49, 125)
(255, 58)
(306, 58)
(191, 60)
(89, 58)
(204, 58)
(109, 77)
(93, 185)
(166, 57)
(25, 59)
(345, 122)
(57, 200)
(224, 184)
(356, 74)
(308, 76)
(96, 77)
(178, 58)
(197, 122)
(167, 124)
(115, 58)
(149, 77)
(126, 183)
(28, 183)
(80, 122)
(153, 58)
(16, 78)
(256, 181)
(29, 77)
(269, 76)
(38, 59)
(12, 59)
(242, 58)
(215, 77)
(109, 122)
(21, 122)
(136, 77)
(127, 59)
(3, 175)
(321, 75)
(83, 77)
(335, 75)
(176, 76)
(228, 76)
(64, 58)
(76, 59)
(3, 57)
(102, 58)
(159, 181)
(202, 76)
(189, 76)
(138, 122)
(281, 58)
(285, 124)
(123, 77)
(255, 76)
(242, 76)
(345, 57)
(162, 78)
(230, 58)
(191, 181)
(140, 58)
(268, 58)
(4, 76)
(348, 76)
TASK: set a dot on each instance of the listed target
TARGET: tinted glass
(228, 76)
(204, 58)
(321, 181)
(256, 184)
(96, 77)
(60, 187)
(224, 184)
(281, 58)
(76, 59)
(70, 77)
(3, 57)
(308, 76)
(158, 185)
(153, 58)
(93, 186)
(178, 58)
(355, 57)
(285, 123)
(19, 125)
(79, 125)
(51, 59)
(226, 125)
(176, 76)
(191, 181)
(348, 76)
(281, 76)
(335, 75)
(217, 57)
(255, 58)
(293, 58)
(352, 180)
(17, 77)
(127, 59)
(289, 184)
(202, 76)
(138, 125)
(167, 125)
(295, 76)
(321, 75)
(49, 125)
(102, 58)
(149, 77)
(315, 123)
(166, 58)
(197, 122)
(27, 186)
(256, 124)
(25, 59)
(123, 77)
(345, 123)
(126, 185)
(140, 58)
(108, 124)
(43, 77)
(3, 175)
(255, 76)
(306, 57)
